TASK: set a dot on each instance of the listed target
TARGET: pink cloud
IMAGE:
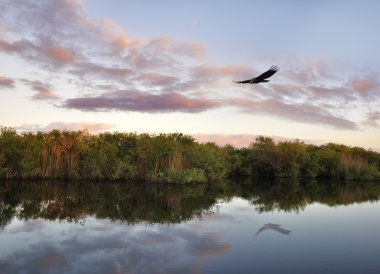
(116, 36)
(89, 126)
(21, 47)
(289, 90)
(6, 82)
(60, 54)
(44, 91)
(6, 46)
(45, 21)
(141, 101)
(156, 79)
(337, 92)
(102, 71)
(39, 54)
(45, 95)
(372, 119)
(363, 85)
(215, 73)
(144, 59)
(50, 262)
(97, 52)
(172, 45)
(210, 245)
(217, 250)
(221, 71)
(122, 42)
(310, 72)
(300, 112)
(237, 140)
(242, 140)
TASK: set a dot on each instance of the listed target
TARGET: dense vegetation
(173, 158)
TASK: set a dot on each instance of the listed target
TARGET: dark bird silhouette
(274, 227)
(261, 78)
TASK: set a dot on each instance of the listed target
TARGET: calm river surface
(248, 227)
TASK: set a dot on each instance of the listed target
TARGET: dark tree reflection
(152, 203)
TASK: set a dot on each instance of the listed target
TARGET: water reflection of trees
(134, 203)
(294, 196)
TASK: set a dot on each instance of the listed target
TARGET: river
(229, 227)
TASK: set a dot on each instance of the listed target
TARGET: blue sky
(324, 29)
(168, 66)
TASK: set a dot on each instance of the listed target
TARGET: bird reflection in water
(274, 227)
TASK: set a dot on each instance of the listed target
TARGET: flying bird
(261, 78)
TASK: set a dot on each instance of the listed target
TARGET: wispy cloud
(372, 119)
(91, 127)
(171, 45)
(367, 88)
(166, 74)
(141, 101)
(6, 82)
(126, 249)
(102, 71)
(300, 112)
(44, 90)
(23, 48)
(60, 54)
(242, 140)
(363, 85)
(210, 75)
(154, 79)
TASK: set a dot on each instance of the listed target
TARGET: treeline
(174, 158)
(116, 156)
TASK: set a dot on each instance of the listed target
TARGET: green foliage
(291, 159)
(176, 176)
(211, 159)
(174, 158)
(11, 149)
(299, 160)
(234, 160)
(3, 169)
(263, 154)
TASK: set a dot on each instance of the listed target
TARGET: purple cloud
(89, 126)
(300, 112)
(373, 119)
(172, 45)
(242, 140)
(102, 71)
(93, 53)
(44, 91)
(157, 79)
(142, 101)
(6, 82)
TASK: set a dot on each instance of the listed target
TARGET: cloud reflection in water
(120, 249)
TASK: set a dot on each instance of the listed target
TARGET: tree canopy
(174, 158)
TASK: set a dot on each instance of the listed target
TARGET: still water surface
(249, 227)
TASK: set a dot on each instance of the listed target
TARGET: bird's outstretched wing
(243, 82)
(267, 74)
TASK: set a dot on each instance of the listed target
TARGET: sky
(169, 66)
